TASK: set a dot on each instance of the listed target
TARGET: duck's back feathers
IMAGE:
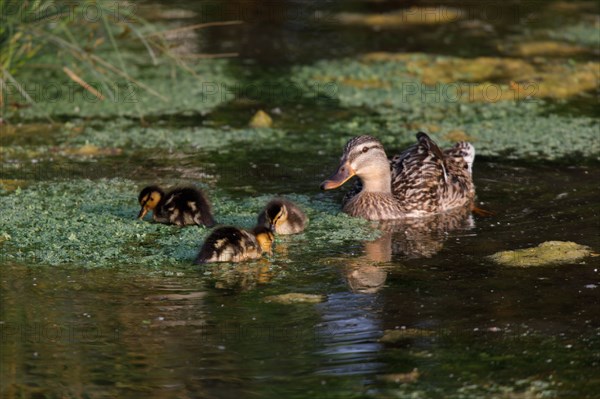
(417, 174)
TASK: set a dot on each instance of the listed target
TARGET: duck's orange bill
(142, 213)
(340, 177)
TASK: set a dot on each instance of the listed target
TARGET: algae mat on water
(81, 139)
(407, 92)
(545, 254)
(92, 224)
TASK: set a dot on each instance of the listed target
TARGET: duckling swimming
(181, 206)
(283, 217)
(230, 244)
(421, 181)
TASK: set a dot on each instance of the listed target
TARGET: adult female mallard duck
(421, 181)
(181, 206)
(230, 244)
(283, 217)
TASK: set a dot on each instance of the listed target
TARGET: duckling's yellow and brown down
(181, 206)
(283, 217)
(231, 244)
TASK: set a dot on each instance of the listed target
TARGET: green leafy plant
(79, 40)
(74, 32)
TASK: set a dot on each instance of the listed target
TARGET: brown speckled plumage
(421, 181)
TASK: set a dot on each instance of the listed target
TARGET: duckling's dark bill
(343, 174)
(142, 213)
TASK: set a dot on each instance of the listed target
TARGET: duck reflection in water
(408, 238)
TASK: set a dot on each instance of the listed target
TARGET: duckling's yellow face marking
(265, 240)
(148, 203)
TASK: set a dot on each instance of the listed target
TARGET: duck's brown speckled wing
(418, 174)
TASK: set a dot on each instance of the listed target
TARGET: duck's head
(364, 157)
(276, 213)
(265, 238)
(149, 198)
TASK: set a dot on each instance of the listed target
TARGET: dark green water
(480, 330)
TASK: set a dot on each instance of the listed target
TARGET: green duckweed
(93, 224)
(547, 253)
(402, 105)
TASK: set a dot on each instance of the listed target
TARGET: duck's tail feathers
(433, 148)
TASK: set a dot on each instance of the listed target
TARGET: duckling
(283, 217)
(181, 206)
(421, 181)
(230, 244)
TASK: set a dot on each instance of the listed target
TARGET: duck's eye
(365, 149)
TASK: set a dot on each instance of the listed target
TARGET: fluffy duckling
(181, 206)
(230, 244)
(283, 217)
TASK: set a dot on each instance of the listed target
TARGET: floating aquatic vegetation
(12, 184)
(532, 137)
(573, 6)
(403, 104)
(556, 79)
(261, 119)
(405, 17)
(184, 138)
(585, 34)
(399, 88)
(436, 69)
(294, 298)
(433, 86)
(546, 48)
(89, 150)
(115, 137)
(92, 224)
(547, 253)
